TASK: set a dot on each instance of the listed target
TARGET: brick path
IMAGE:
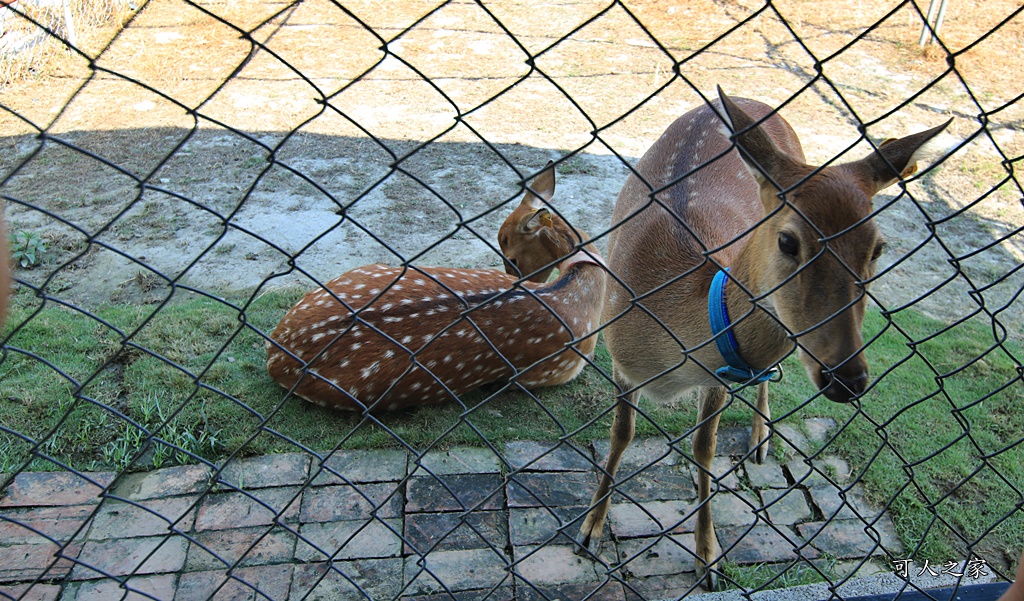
(366, 523)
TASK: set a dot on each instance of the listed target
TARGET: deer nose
(844, 385)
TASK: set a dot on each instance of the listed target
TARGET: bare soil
(183, 154)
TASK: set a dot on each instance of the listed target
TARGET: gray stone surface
(392, 534)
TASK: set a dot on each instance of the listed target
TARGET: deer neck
(760, 341)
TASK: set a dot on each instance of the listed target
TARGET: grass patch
(938, 440)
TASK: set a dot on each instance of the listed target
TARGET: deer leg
(759, 431)
(589, 538)
(704, 442)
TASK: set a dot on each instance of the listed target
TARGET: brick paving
(460, 524)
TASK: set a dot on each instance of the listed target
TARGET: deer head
(532, 238)
(815, 254)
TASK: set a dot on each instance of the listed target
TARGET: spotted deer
(382, 338)
(800, 247)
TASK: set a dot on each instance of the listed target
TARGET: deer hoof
(706, 577)
(760, 447)
(588, 542)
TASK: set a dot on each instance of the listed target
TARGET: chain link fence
(178, 177)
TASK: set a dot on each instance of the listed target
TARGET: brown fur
(383, 338)
(718, 204)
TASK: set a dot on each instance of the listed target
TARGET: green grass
(191, 380)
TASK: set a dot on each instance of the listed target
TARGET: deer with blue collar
(729, 251)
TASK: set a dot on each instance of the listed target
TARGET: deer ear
(760, 155)
(542, 188)
(895, 158)
(534, 222)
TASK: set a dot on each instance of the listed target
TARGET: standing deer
(382, 338)
(799, 245)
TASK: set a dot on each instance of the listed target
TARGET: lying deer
(799, 245)
(383, 338)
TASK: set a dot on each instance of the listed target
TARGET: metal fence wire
(179, 176)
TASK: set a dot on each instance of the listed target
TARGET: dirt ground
(180, 152)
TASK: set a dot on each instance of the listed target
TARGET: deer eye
(788, 244)
(879, 249)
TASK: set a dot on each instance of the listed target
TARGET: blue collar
(737, 369)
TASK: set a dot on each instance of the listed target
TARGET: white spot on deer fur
(419, 282)
(316, 337)
(375, 291)
(428, 337)
(392, 319)
(303, 330)
(406, 301)
(406, 339)
(356, 346)
(396, 287)
(447, 359)
(370, 369)
(389, 354)
(386, 306)
(416, 386)
(342, 296)
(359, 286)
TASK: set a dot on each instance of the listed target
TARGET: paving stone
(118, 519)
(458, 460)
(54, 524)
(534, 456)
(500, 594)
(286, 469)
(458, 570)
(733, 441)
(358, 502)
(455, 493)
(347, 580)
(236, 544)
(643, 452)
(603, 591)
(786, 506)
(167, 482)
(239, 510)
(119, 557)
(734, 509)
(656, 483)
(53, 489)
(658, 556)
(629, 520)
(819, 429)
(566, 489)
(537, 525)
(455, 531)
(558, 565)
(806, 476)
(761, 544)
(27, 562)
(360, 466)
(674, 586)
(833, 506)
(349, 540)
(766, 475)
(138, 588)
(724, 471)
(29, 592)
(845, 539)
(273, 582)
(791, 440)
